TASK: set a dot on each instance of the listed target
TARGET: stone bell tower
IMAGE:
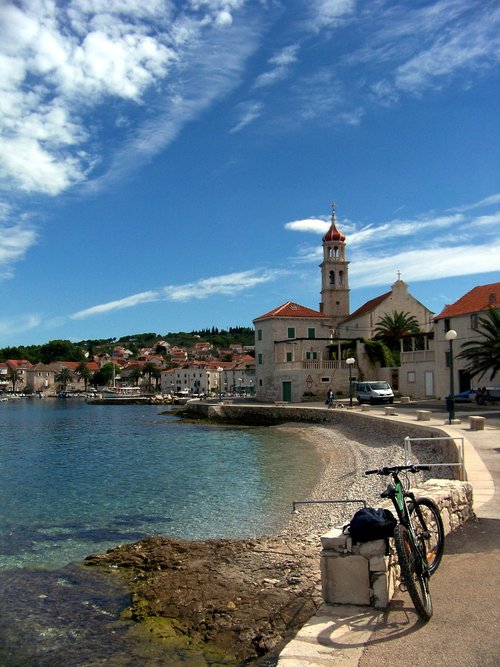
(334, 274)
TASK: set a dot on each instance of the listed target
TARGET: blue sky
(170, 166)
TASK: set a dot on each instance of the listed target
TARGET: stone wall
(365, 424)
(363, 574)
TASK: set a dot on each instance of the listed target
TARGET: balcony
(417, 356)
(312, 364)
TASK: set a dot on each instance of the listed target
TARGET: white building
(301, 352)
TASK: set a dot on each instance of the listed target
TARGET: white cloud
(446, 262)
(61, 62)
(16, 238)
(280, 66)
(229, 284)
(118, 304)
(249, 112)
(314, 225)
(330, 13)
(204, 288)
(9, 326)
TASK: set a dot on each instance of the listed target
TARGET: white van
(374, 391)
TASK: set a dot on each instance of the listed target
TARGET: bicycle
(418, 536)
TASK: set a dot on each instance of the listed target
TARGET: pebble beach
(347, 453)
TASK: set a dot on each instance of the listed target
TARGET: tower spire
(334, 273)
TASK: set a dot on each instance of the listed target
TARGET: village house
(217, 376)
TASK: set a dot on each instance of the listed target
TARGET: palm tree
(15, 377)
(64, 376)
(393, 326)
(148, 370)
(83, 373)
(157, 376)
(484, 355)
(135, 374)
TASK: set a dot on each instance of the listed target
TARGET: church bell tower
(334, 274)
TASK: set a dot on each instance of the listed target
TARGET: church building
(302, 353)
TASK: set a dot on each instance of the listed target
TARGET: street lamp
(219, 370)
(350, 361)
(450, 336)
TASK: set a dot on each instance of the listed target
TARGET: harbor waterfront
(57, 613)
(77, 479)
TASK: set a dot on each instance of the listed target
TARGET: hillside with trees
(65, 350)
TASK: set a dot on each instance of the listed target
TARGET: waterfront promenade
(465, 590)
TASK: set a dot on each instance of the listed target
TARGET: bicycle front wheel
(428, 526)
(412, 573)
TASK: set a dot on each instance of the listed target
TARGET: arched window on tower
(330, 252)
(335, 251)
(341, 277)
(332, 277)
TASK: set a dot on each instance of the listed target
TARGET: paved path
(464, 629)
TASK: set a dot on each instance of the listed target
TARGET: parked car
(374, 391)
(465, 396)
(487, 395)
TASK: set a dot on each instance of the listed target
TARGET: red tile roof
(291, 309)
(368, 306)
(479, 299)
(333, 234)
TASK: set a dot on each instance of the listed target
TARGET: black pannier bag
(369, 524)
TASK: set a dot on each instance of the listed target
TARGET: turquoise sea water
(77, 479)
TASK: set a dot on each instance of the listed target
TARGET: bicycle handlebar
(388, 470)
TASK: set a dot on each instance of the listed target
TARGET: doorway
(287, 392)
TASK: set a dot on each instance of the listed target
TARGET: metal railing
(460, 450)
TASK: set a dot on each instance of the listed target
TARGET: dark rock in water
(241, 597)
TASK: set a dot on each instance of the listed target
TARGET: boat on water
(121, 392)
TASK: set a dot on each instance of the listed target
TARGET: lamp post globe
(220, 371)
(350, 361)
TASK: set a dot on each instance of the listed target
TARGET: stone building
(462, 317)
(301, 352)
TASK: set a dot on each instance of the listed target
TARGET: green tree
(157, 377)
(135, 375)
(83, 373)
(103, 376)
(60, 350)
(14, 377)
(378, 352)
(393, 326)
(484, 355)
(63, 377)
(148, 370)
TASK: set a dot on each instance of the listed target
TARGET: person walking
(330, 397)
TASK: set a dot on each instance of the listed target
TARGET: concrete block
(476, 423)
(345, 580)
(379, 564)
(336, 540)
(365, 407)
(424, 415)
(372, 549)
(383, 590)
(390, 411)
(405, 399)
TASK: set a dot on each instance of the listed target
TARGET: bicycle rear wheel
(412, 575)
(428, 526)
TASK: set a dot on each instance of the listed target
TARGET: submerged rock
(239, 597)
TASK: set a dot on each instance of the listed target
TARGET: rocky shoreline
(236, 602)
